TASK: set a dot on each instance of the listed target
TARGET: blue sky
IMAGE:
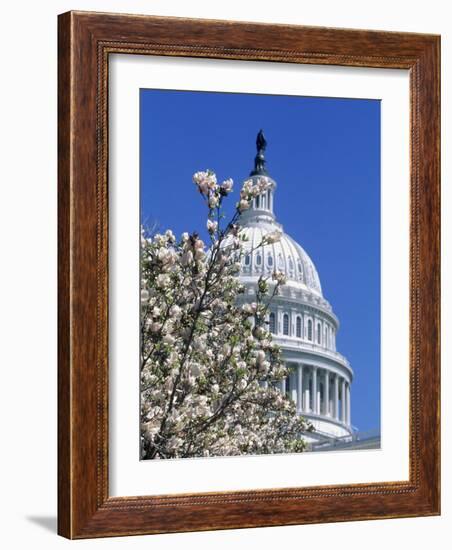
(324, 154)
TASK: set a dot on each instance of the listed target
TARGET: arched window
(325, 336)
(270, 260)
(310, 330)
(286, 324)
(272, 323)
(257, 201)
(258, 259)
(247, 259)
(300, 269)
(290, 263)
(298, 327)
(319, 334)
(280, 261)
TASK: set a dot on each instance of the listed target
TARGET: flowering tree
(209, 367)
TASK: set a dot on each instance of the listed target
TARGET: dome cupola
(262, 205)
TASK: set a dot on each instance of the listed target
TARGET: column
(283, 386)
(306, 390)
(349, 420)
(314, 391)
(336, 397)
(343, 400)
(319, 396)
(300, 388)
(327, 393)
(279, 327)
(293, 385)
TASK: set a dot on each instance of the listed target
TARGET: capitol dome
(285, 255)
(301, 320)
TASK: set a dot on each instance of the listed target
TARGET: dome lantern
(263, 204)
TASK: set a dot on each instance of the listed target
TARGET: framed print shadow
(248, 275)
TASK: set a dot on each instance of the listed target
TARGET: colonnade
(318, 391)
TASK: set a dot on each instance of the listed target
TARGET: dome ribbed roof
(286, 255)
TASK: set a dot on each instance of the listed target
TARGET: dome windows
(291, 266)
(298, 327)
(285, 324)
(283, 255)
(312, 329)
(300, 269)
(272, 323)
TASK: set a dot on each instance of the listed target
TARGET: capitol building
(302, 321)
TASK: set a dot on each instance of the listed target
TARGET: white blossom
(163, 280)
(156, 311)
(212, 226)
(213, 201)
(226, 186)
(202, 358)
(273, 237)
(170, 236)
(195, 370)
(187, 258)
(175, 311)
(243, 205)
(155, 327)
(168, 339)
(279, 277)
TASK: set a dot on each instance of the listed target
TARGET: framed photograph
(248, 275)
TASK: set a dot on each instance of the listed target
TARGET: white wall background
(28, 269)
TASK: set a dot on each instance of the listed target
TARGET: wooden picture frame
(85, 42)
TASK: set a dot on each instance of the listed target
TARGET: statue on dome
(259, 160)
(261, 142)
